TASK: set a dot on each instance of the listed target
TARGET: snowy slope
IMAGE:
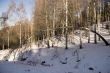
(93, 58)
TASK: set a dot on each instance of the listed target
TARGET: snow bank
(93, 58)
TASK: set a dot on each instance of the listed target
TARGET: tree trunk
(80, 39)
(8, 39)
(66, 33)
(20, 37)
(95, 24)
(48, 45)
(53, 33)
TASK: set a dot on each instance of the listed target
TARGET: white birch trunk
(66, 34)
(95, 25)
(20, 36)
(48, 45)
(54, 21)
(8, 39)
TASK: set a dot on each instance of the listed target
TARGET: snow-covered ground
(93, 58)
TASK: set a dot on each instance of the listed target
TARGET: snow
(93, 58)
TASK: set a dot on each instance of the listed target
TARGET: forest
(54, 36)
(51, 18)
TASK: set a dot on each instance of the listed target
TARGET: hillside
(93, 58)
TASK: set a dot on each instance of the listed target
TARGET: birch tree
(20, 12)
(66, 33)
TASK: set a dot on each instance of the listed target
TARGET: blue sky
(28, 4)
